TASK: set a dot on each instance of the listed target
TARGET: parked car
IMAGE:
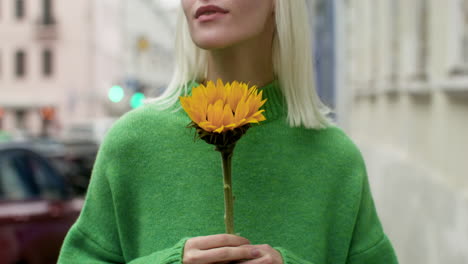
(36, 207)
(73, 158)
(80, 157)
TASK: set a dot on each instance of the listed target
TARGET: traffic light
(137, 100)
(116, 93)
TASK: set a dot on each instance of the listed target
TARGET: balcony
(46, 28)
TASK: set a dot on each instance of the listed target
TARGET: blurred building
(403, 97)
(324, 47)
(149, 30)
(57, 54)
(60, 59)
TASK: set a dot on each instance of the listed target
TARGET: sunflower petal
(219, 130)
(185, 102)
(261, 118)
(207, 126)
(211, 93)
(220, 90)
(242, 122)
(241, 110)
(218, 107)
(228, 116)
(216, 114)
(186, 105)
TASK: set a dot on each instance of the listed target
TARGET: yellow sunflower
(218, 108)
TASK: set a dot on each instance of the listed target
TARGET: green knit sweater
(304, 192)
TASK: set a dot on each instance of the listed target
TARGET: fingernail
(256, 253)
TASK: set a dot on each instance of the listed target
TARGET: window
(20, 64)
(395, 41)
(47, 62)
(19, 9)
(48, 182)
(47, 17)
(417, 49)
(457, 48)
(458, 44)
(422, 47)
(463, 7)
(16, 182)
(24, 175)
(11, 186)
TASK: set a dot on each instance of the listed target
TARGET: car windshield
(14, 181)
(27, 176)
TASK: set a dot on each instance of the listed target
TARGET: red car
(36, 207)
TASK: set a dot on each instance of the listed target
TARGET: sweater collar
(274, 107)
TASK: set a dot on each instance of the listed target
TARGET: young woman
(302, 193)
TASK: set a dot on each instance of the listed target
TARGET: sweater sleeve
(95, 236)
(291, 258)
(369, 243)
(80, 248)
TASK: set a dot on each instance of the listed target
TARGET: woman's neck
(249, 62)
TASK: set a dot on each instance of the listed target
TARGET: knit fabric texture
(305, 192)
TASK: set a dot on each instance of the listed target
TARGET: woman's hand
(217, 249)
(224, 248)
(266, 255)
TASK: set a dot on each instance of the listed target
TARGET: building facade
(405, 82)
(59, 59)
(56, 54)
(149, 30)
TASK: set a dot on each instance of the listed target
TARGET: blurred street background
(394, 71)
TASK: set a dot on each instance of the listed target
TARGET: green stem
(226, 154)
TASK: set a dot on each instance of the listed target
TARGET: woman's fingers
(216, 241)
(265, 254)
(220, 255)
(217, 249)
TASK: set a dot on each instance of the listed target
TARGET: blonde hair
(292, 59)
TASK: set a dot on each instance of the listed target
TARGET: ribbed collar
(275, 106)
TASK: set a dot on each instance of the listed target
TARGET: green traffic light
(137, 100)
(116, 93)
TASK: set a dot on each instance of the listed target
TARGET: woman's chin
(214, 44)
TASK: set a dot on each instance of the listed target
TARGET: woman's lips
(209, 12)
(210, 17)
